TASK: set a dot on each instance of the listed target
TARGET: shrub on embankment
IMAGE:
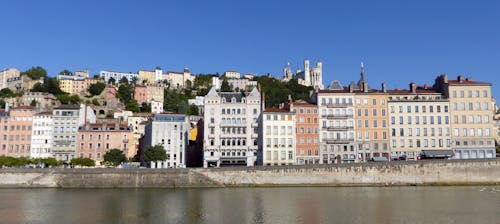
(7, 161)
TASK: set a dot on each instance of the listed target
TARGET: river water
(253, 205)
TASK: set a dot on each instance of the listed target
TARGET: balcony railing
(338, 105)
(339, 140)
(338, 128)
(337, 116)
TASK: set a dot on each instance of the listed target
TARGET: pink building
(15, 131)
(95, 139)
(140, 94)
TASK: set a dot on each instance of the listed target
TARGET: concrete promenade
(411, 173)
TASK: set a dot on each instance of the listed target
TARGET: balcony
(338, 128)
(338, 105)
(337, 116)
(339, 140)
(211, 124)
(63, 142)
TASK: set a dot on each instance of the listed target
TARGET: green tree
(115, 157)
(155, 153)
(65, 72)
(35, 73)
(123, 80)
(97, 88)
(68, 99)
(112, 81)
(2, 103)
(132, 105)
(125, 93)
(96, 102)
(83, 162)
(225, 87)
(134, 81)
(145, 107)
(49, 85)
(6, 92)
(174, 101)
(33, 103)
(192, 110)
(202, 81)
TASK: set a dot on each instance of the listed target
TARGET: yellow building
(77, 86)
(145, 76)
(472, 111)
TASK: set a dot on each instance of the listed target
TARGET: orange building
(95, 139)
(307, 146)
(15, 131)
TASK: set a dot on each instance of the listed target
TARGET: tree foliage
(68, 99)
(155, 153)
(123, 80)
(132, 105)
(175, 101)
(82, 162)
(6, 92)
(125, 93)
(65, 72)
(96, 88)
(225, 87)
(192, 110)
(145, 107)
(277, 91)
(111, 81)
(7, 161)
(35, 73)
(49, 85)
(202, 81)
(96, 102)
(115, 157)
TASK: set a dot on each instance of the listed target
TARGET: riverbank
(410, 173)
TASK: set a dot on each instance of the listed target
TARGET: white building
(156, 107)
(65, 118)
(307, 77)
(41, 137)
(87, 114)
(171, 132)
(336, 108)
(232, 74)
(278, 147)
(117, 75)
(231, 128)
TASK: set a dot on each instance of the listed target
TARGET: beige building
(77, 86)
(472, 110)
(9, 76)
(15, 131)
(95, 139)
(419, 123)
(232, 74)
(179, 79)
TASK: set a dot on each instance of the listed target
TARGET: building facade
(66, 119)
(171, 132)
(9, 76)
(231, 127)
(336, 110)
(307, 132)
(16, 131)
(179, 79)
(232, 74)
(117, 76)
(471, 114)
(307, 77)
(419, 122)
(41, 136)
(96, 139)
(278, 147)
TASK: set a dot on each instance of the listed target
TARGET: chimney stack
(468, 79)
(413, 87)
(459, 78)
(384, 88)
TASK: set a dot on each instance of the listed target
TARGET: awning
(437, 153)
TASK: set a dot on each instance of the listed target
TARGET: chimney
(384, 88)
(445, 78)
(413, 87)
(365, 87)
(351, 87)
(459, 78)
(468, 79)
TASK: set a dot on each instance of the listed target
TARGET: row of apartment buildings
(452, 119)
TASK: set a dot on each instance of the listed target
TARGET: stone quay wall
(410, 173)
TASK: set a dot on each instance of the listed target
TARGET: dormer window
(223, 100)
(243, 100)
(233, 100)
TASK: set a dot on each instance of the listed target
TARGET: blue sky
(399, 41)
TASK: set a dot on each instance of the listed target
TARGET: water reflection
(252, 205)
